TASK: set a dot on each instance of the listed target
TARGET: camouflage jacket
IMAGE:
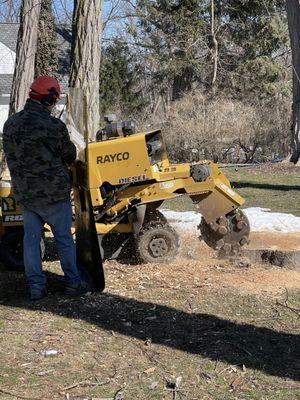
(38, 151)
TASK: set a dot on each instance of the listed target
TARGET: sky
(110, 7)
(113, 26)
(62, 8)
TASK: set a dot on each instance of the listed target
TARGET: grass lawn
(275, 186)
(193, 330)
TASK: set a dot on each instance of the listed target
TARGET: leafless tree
(293, 14)
(214, 44)
(85, 65)
(25, 55)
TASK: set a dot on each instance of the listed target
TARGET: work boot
(36, 295)
(77, 289)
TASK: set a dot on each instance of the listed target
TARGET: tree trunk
(214, 46)
(293, 14)
(85, 66)
(46, 62)
(25, 55)
(182, 82)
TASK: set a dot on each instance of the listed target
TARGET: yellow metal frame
(6, 192)
(161, 181)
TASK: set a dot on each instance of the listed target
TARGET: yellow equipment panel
(119, 161)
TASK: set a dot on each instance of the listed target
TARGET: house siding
(7, 60)
(8, 45)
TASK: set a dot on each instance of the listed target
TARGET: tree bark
(46, 61)
(293, 14)
(85, 66)
(25, 55)
(215, 46)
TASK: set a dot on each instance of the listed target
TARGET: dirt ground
(275, 241)
(199, 328)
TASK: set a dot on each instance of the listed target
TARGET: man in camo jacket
(38, 151)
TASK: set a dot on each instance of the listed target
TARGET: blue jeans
(59, 217)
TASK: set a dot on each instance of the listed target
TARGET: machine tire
(157, 242)
(11, 250)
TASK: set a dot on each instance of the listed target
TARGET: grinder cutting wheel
(227, 234)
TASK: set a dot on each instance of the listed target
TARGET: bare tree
(293, 14)
(25, 55)
(85, 65)
(214, 45)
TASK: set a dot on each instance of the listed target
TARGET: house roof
(5, 83)
(9, 36)
(64, 40)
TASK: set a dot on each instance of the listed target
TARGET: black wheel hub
(159, 247)
(157, 241)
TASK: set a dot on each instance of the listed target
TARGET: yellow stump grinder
(118, 189)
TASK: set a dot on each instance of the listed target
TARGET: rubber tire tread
(155, 221)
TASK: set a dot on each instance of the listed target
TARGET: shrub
(223, 130)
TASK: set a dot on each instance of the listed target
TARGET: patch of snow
(185, 221)
(4, 109)
(261, 220)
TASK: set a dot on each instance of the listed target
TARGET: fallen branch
(85, 383)
(73, 386)
(294, 310)
(118, 395)
(31, 332)
(18, 396)
(285, 304)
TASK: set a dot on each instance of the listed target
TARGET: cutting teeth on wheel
(223, 230)
(223, 222)
(244, 241)
(240, 225)
(235, 248)
(227, 234)
(227, 248)
(238, 217)
(220, 244)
